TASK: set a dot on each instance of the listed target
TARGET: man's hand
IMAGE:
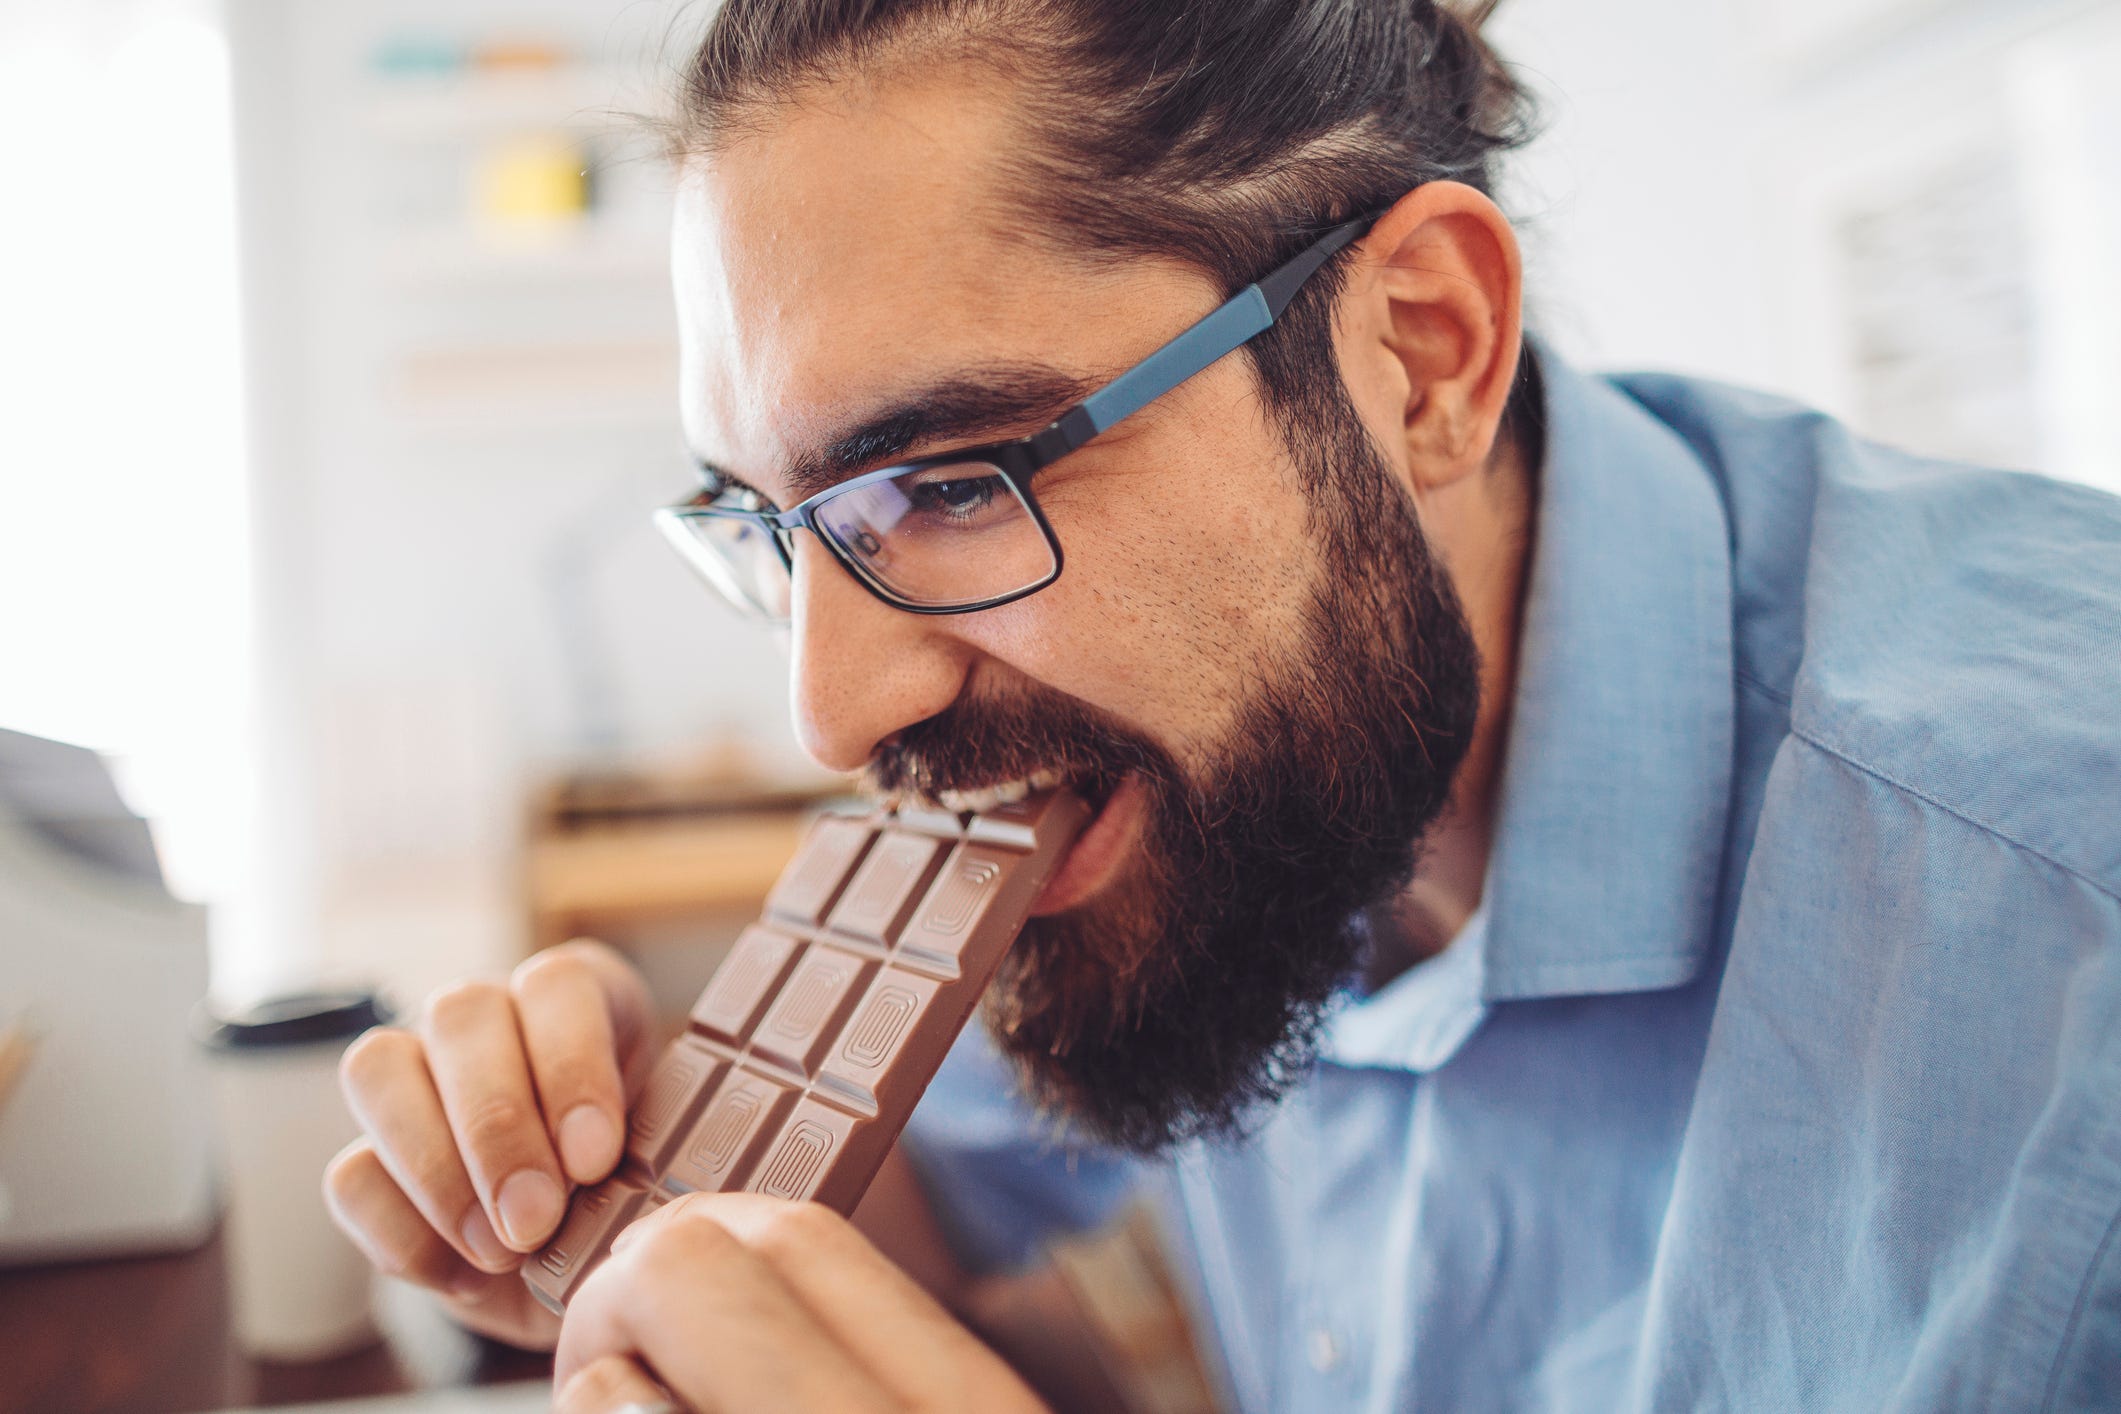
(479, 1122)
(738, 1302)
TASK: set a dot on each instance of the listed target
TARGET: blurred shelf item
(520, 56)
(17, 1044)
(610, 850)
(537, 180)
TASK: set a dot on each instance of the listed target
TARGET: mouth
(1098, 852)
(1118, 813)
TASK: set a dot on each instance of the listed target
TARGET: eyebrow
(960, 407)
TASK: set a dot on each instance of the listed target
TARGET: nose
(862, 669)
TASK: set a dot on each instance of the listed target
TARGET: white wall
(1638, 205)
(1692, 202)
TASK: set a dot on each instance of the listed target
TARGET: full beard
(1190, 992)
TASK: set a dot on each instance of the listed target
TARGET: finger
(897, 1331)
(608, 1385)
(475, 1050)
(388, 1086)
(574, 1059)
(369, 1207)
(715, 1324)
(627, 1002)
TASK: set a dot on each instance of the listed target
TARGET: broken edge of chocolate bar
(818, 1033)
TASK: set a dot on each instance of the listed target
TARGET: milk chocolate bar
(816, 1036)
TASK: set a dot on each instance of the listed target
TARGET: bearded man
(1605, 893)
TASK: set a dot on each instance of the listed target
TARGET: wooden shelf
(608, 851)
(664, 867)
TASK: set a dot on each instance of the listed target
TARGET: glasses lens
(737, 557)
(942, 535)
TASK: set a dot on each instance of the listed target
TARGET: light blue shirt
(1780, 1068)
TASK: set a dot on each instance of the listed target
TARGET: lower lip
(1097, 852)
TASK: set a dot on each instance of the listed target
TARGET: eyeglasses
(958, 532)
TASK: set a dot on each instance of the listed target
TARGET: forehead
(862, 243)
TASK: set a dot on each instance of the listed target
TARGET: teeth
(1004, 793)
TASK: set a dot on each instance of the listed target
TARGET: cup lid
(292, 1019)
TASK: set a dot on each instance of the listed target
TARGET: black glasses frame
(1239, 319)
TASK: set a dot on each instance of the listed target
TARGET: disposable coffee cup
(299, 1290)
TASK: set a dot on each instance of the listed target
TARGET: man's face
(1250, 664)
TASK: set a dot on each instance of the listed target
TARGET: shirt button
(1324, 1350)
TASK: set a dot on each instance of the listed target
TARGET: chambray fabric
(1780, 1068)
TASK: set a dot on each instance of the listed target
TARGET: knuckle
(587, 949)
(348, 1175)
(463, 1004)
(433, 1174)
(799, 1227)
(375, 1055)
(678, 1249)
(497, 1122)
(568, 1079)
(552, 966)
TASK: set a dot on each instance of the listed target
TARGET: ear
(1431, 317)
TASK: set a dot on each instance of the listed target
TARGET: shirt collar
(1616, 777)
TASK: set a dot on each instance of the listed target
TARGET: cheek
(1187, 572)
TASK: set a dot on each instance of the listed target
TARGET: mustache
(980, 741)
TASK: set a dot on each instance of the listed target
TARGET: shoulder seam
(1804, 735)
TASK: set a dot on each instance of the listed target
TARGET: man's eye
(737, 497)
(957, 496)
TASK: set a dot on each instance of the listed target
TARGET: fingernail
(487, 1249)
(530, 1208)
(589, 1141)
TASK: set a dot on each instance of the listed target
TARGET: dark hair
(1226, 133)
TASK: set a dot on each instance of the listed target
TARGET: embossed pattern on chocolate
(816, 1036)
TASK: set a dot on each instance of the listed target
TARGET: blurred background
(338, 370)
(336, 374)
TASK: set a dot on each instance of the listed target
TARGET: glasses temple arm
(1281, 286)
(1239, 318)
(1244, 315)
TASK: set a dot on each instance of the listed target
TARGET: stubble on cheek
(1178, 604)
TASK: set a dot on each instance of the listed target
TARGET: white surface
(104, 1144)
(495, 1399)
(1639, 205)
(299, 1290)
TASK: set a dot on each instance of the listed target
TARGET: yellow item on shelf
(534, 179)
(519, 55)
